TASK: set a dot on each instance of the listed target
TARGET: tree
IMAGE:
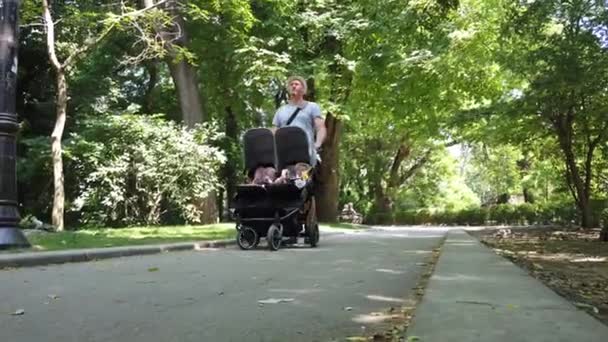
(61, 69)
(555, 48)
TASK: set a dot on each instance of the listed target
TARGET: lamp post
(10, 235)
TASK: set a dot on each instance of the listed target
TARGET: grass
(97, 238)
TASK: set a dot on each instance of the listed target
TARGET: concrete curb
(30, 259)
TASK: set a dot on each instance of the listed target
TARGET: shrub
(134, 169)
(559, 213)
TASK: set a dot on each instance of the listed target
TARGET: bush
(133, 170)
(526, 213)
(559, 213)
(471, 216)
(407, 217)
(380, 218)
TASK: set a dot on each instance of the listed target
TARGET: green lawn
(95, 238)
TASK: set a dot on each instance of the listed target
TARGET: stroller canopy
(289, 145)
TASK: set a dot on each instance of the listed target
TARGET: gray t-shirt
(305, 120)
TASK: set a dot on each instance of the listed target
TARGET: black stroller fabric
(288, 146)
(292, 146)
(259, 149)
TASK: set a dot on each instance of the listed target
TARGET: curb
(30, 259)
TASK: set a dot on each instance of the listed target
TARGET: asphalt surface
(335, 291)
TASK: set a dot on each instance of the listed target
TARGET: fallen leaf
(275, 300)
(19, 312)
(152, 269)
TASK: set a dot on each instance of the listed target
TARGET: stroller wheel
(247, 238)
(274, 238)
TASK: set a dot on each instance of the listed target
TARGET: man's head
(296, 85)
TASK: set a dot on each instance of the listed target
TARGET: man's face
(296, 88)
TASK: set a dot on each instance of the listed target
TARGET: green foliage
(502, 214)
(493, 172)
(132, 170)
(405, 77)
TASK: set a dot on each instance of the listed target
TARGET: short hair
(299, 79)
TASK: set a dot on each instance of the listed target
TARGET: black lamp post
(10, 235)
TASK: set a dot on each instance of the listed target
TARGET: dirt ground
(571, 261)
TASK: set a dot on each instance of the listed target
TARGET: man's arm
(321, 132)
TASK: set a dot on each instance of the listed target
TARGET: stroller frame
(275, 211)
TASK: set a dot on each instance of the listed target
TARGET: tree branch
(50, 35)
(402, 153)
(417, 165)
(73, 57)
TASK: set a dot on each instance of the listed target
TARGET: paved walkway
(342, 288)
(27, 259)
(476, 295)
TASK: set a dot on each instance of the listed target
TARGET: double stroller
(282, 212)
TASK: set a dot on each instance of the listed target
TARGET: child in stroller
(271, 207)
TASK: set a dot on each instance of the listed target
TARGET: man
(308, 118)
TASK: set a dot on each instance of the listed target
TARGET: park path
(296, 294)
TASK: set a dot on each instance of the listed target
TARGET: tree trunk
(328, 176)
(329, 172)
(148, 98)
(56, 151)
(580, 189)
(383, 205)
(229, 170)
(394, 177)
(186, 83)
(61, 108)
(184, 74)
(381, 211)
(524, 169)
